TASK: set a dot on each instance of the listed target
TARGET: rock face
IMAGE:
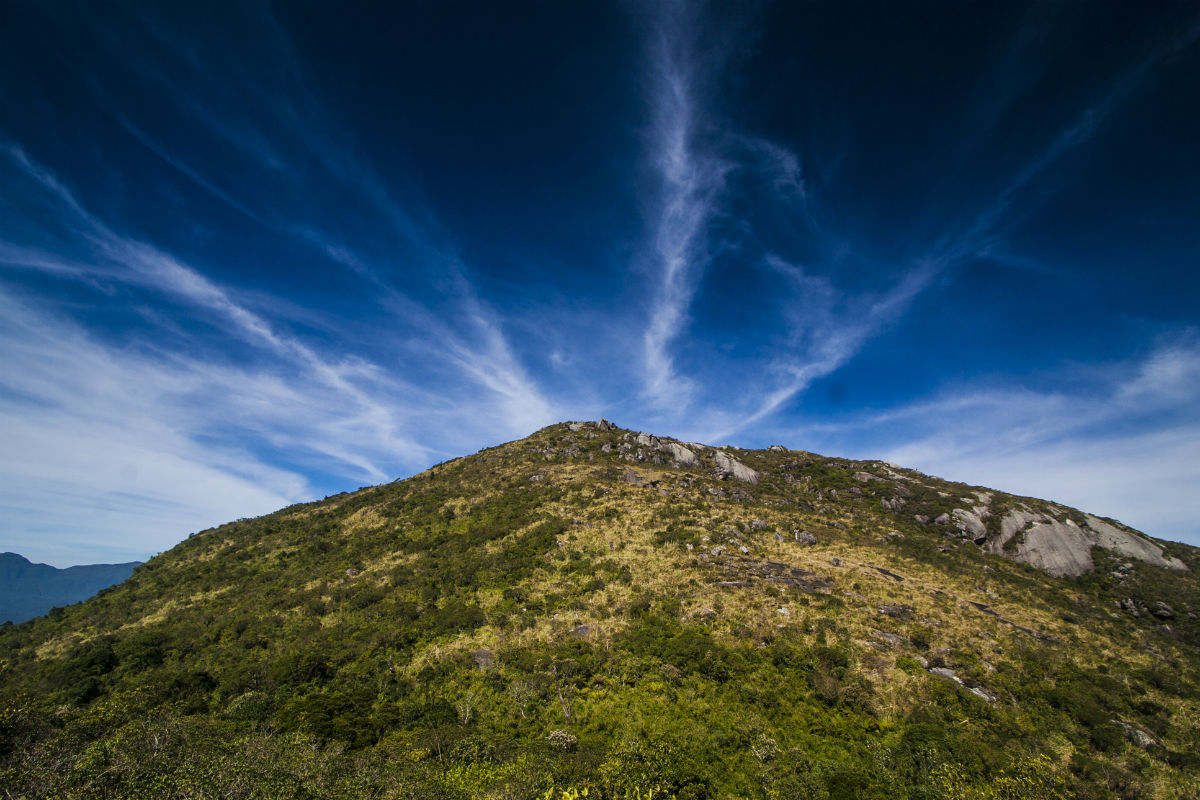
(1062, 548)
(680, 454)
(1057, 548)
(969, 523)
(728, 465)
(1110, 537)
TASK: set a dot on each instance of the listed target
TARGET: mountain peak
(630, 612)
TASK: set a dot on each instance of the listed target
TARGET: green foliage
(421, 640)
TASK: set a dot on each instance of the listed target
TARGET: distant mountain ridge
(29, 590)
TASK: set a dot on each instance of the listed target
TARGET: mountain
(595, 608)
(28, 590)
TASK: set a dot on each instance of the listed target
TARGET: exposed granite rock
(680, 454)
(1131, 606)
(1130, 544)
(1137, 736)
(970, 523)
(727, 465)
(945, 672)
(632, 477)
(1162, 610)
(982, 694)
(1062, 548)
(889, 638)
(646, 440)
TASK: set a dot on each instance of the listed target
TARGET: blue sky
(253, 254)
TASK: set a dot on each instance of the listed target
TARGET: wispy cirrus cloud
(689, 179)
(185, 420)
(830, 327)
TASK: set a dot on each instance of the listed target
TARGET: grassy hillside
(590, 609)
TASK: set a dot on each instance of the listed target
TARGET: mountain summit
(592, 607)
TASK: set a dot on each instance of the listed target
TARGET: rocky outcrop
(1130, 544)
(804, 538)
(728, 466)
(1059, 548)
(1136, 736)
(1063, 548)
(680, 454)
(969, 522)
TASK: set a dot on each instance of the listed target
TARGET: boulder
(646, 440)
(982, 694)
(896, 611)
(680, 454)
(945, 672)
(727, 465)
(633, 478)
(889, 638)
(970, 523)
(1137, 736)
(1162, 610)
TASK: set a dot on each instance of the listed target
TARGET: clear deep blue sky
(255, 253)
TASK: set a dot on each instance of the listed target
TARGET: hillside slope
(28, 590)
(592, 607)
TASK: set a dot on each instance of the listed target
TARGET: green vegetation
(532, 622)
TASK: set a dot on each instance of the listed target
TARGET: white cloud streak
(689, 179)
(166, 438)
